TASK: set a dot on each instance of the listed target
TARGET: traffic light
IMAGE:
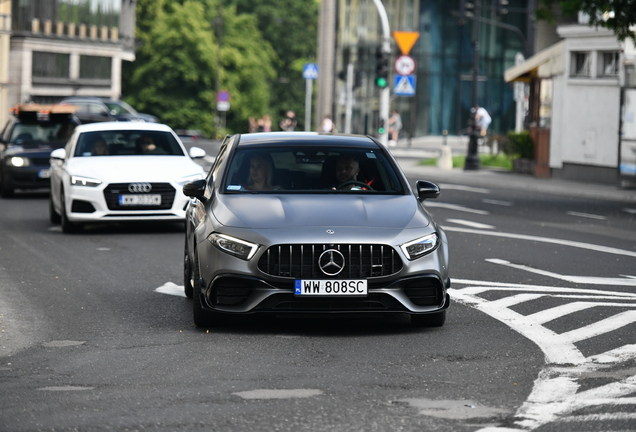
(467, 8)
(501, 8)
(382, 69)
(381, 128)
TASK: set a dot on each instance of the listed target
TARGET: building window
(95, 67)
(608, 64)
(50, 65)
(580, 64)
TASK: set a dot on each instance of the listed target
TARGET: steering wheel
(354, 182)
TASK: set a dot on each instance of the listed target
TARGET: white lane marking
(463, 188)
(455, 207)
(470, 223)
(601, 327)
(586, 215)
(590, 280)
(278, 393)
(62, 343)
(555, 395)
(629, 210)
(55, 228)
(65, 388)
(579, 245)
(548, 315)
(497, 202)
(171, 289)
(103, 249)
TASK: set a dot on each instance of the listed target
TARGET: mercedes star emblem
(331, 262)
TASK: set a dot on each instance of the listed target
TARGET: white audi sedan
(120, 171)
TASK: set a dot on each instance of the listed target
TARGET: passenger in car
(100, 148)
(260, 174)
(146, 145)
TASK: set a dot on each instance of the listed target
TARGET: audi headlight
(85, 181)
(188, 179)
(420, 247)
(233, 246)
(18, 161)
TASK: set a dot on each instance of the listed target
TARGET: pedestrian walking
(395, 126)
(482, 120)
(327, 124)
(289, 123)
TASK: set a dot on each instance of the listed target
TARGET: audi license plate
(149, 199)
(321, 287)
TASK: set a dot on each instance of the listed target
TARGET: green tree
(616, 15)
(291, 27)
(174, 75)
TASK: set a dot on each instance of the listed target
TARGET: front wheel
(202, 318)
(436, 319)
(188, 274)
(54, 216)
(67, 225)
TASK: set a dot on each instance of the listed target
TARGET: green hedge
(520, 145)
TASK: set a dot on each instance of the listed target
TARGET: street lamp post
(472, 158)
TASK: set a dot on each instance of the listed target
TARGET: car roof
(306, 138)
(83, 98)
(114, 126)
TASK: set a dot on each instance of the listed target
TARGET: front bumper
(88, 204)
(31, 177)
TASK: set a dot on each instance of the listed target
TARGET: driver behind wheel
(347, 170)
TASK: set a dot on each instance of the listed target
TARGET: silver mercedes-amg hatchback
(314, 224)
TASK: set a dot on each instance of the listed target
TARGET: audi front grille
(112, 192)
(361, 261)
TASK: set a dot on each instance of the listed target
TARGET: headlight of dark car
(18, 161)
(420, 247)
(85, 181)
(233, 246)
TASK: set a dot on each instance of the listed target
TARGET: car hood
(319, 210)
(34, 149)
(121, 169)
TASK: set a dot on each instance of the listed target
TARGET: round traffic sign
(404, 65)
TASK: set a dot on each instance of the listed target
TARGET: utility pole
(384, 92)
(218, 26)
(472, 158)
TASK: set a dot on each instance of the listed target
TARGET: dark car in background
(89, 109)
(26, 142)
(124, 112)
(307, 223)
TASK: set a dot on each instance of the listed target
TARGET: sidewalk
(430, 147)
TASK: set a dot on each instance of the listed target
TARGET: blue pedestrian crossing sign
(404, 85)
(310, 71)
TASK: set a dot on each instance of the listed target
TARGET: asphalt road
(540, 336)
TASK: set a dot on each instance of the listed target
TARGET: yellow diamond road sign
(405, 40)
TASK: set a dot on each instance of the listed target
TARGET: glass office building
(444, 56)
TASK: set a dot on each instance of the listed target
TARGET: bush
(520, 145)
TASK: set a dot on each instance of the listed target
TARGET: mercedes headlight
(233, 246)
(84, 181)
(188, 179)
(420, 247)
(18, 161)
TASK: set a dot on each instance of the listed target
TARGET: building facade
(444, 56)
(61, 48)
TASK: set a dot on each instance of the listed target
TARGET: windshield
(127, 142)
(120, 108)
(308, 168)
(54, 134)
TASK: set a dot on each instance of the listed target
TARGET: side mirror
(58, 154)
(195, 189)
(426, 189)
(197, 152)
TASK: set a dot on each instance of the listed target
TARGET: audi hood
(124, 169)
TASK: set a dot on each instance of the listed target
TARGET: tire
(202, 318)
(67, 226)
(429, 320)
(54, 216)
(188, 274)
